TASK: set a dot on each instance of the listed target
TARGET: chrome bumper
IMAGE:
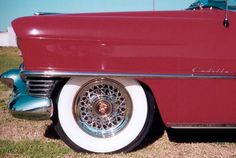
(22, 105)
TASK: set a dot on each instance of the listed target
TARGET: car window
(193, 4)
(232, 4)
(219, 4)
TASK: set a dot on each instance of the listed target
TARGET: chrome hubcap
(102, 108)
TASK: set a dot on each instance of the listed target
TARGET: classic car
(101, 76)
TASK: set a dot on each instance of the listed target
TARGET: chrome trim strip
(202, 126)
(44, 13)
(40, 87)
(41, 81)
(26, 73)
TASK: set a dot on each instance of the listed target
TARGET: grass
(9, 58)
(32, 149)
(21, 138)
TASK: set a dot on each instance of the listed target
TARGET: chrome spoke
(102, 108)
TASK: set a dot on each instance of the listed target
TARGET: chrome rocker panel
(22, 105)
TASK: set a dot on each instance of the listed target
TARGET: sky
(11, 9)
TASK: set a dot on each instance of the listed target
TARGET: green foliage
(32, 149)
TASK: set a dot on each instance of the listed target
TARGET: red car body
(187, 58)
(101, 77)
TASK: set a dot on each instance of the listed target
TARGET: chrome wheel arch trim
(26, 73)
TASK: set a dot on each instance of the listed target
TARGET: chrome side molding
(44, 13)
(26, 73)
(202, 126)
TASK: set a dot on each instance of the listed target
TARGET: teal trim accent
(12, 78)
(32, 108)
(21, 105)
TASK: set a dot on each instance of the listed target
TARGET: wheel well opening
(55, 95)
(152, 100)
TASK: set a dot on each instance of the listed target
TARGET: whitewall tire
(103, 115)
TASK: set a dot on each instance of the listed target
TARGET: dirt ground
(194, 143)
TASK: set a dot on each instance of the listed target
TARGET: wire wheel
(102, 108)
